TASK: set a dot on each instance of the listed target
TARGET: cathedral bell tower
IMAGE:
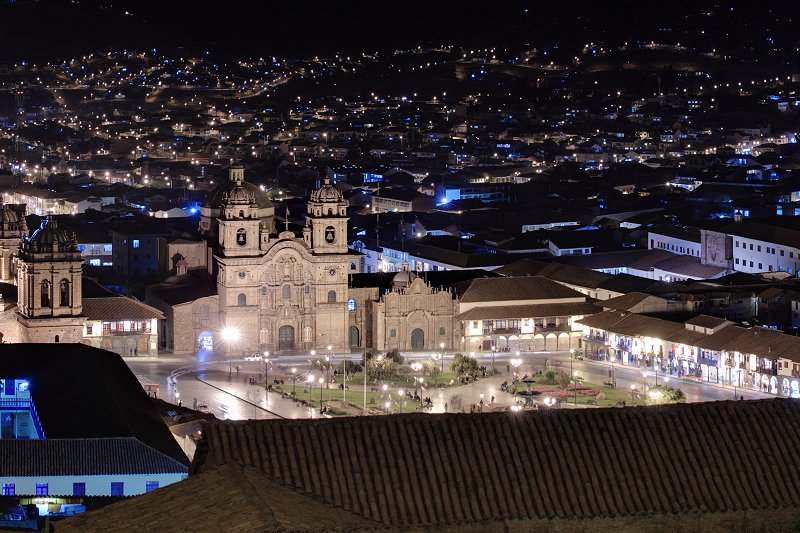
(12, 230)
(239, 223)
(49, 302)
(326, 221)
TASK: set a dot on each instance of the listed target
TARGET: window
(135, 243)
(737, 244)
(751, 246)
(351, 305)
(331, 297)
(107, 248)
(241, 236)
(81, 248)
(150, 486)
(781, 253)
(393, 332)
(89, 329)
(474, 324)
(241, 299)
(307, 289)
(759, 266)
(737, 260)
(117, 488)
(45, 293)
(287, 292)
(751, 264)
(441, 332)
(8, 489)
(63, 289)
(758, 248)
(79, 489)
(41, 489)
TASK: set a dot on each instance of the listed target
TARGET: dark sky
(44, 28)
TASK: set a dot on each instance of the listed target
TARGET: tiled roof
(118, 308)
(82, 392)
(705, 321)
(513, 289)
(604, 320)
(646, 326)
(428, 472)
(529, 311)
(84, 457)
(627, 301)
(227, 498)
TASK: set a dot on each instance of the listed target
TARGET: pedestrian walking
(131, 352)
(445, 407)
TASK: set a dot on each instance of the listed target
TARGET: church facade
(275, 291)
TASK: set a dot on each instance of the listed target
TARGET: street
(223, 385)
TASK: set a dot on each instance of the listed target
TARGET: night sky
(41, 29)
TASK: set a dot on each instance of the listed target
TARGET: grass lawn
(609, 397)
(354, 395)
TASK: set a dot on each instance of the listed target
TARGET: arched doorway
(286, 338)
(354, 341)
(205, 341)
(417, 339)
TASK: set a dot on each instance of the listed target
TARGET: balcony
(768, 371)
(501, 331)
(707, 361)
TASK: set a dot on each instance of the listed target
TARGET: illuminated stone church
(274, 290)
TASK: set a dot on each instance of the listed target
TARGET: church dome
(327, 194)
(237, 191)
(8, 216)
(49, 237)
(404, 278)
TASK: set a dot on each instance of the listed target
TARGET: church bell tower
(327, 220)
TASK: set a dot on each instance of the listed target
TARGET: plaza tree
(661, 395)
(464, 365)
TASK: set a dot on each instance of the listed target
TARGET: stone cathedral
(279, 291)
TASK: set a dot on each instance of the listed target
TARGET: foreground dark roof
(83, 457)
(82, 392)
(567, 470)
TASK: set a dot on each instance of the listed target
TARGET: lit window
(8, 489)
(150, 486)
(135, 243)
(41, 489)
(117, 488)
(94, 262)
(351, 305)
(107, 248)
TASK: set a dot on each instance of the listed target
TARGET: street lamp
(230, 335)
(266, 370)
(436, 357)
(481, 403)
(633, 389)
(321, 381)
(310, 380)
(294, 382)
(441, 347)
(494, 354)
(515, 363)
(416, 367)
(644, 383)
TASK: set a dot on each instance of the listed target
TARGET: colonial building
(276, 292)
(49, 269)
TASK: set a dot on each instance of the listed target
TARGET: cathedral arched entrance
(205, 341)
(286, 338)
(417, 339)
(354, 341)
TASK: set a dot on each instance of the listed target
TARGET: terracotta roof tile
(529, 311)
(422, 471)
(513, 289)
(118, 308)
